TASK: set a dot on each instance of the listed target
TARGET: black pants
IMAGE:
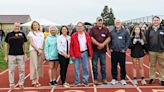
(118, 57)
(63, 67)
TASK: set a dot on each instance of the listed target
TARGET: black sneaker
(151, 81)
(55, 83)
(162, 83)
(51, 83)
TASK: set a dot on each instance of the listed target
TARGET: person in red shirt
(100, 37)
(81, 52)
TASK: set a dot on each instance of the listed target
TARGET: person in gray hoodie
(120, 40)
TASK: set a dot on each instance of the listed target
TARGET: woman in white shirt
(36, 38)
(63, 43)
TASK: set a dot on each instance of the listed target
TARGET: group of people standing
(83, 47)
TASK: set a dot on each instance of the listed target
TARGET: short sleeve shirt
(38, 39)
(99, 35)
(16, 41)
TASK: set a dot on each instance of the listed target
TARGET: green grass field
(3, 65)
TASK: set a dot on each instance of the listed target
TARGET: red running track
(4, 83)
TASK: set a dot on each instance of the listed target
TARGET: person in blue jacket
(51, 54)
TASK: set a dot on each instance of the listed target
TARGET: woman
(36, 38)
(52, 54)
(81, 52)
(63, 50)
(138, 49)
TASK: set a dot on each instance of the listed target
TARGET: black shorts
(55, 60)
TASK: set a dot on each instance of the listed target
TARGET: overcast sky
(72, 11)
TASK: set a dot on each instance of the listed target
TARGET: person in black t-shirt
(15, 53)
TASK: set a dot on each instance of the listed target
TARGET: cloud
(72, 11)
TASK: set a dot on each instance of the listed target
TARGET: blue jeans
(102, 57)
(85, 69)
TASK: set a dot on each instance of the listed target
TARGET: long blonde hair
(32, 29)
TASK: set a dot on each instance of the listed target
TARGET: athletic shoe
(86, 84)
(135, 82)
(105, 82)
(55, 82)
(11, 88)
(66, 85)
(143, 82)
(123, 82)
(96, 82)
(114, 81)
(162, 83)
(76, 84)
(151, 81)
(51, 83)
(21, 86)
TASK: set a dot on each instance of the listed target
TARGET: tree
(111, 17)
(108, 16)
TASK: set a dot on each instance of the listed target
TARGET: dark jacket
(156, 46)
(119, 40)
(137, 50)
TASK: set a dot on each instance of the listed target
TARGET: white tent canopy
(42, 22)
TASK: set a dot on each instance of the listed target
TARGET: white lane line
(94, 86)
(101, 87)
(139, 90)
(7, 70)
(48, 87)
(144, 78)
(60, 87)
(4, 71)
(24, 78)
(151, 87)
(58, 78)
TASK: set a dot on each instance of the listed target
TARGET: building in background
(7, 21)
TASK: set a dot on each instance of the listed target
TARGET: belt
(83, 51)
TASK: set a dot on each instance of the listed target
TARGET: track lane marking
(139, 90)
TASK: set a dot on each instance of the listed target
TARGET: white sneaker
(143, 82)
(123, 82)
(66, 85)
(21, 86)
(114, 81)
(135, 82)
(12, 88)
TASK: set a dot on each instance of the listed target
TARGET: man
(14, 54)
(118, 46)
(155, 44)
(100, 37)
(80, 50)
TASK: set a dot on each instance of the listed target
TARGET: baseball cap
(99, 18)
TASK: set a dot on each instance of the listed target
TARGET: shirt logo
(119, 37)
(20, 34)
(103, 35)
(162, 33)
